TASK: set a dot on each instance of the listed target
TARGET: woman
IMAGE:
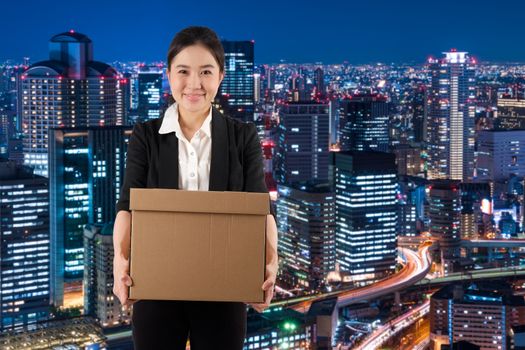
(193, 147)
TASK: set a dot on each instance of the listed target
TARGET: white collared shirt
(194, 155)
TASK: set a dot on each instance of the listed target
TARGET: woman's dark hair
(197, 35)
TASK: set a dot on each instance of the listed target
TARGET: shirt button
(192, 153)
(192, 174)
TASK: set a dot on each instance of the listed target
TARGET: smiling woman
(192, 147)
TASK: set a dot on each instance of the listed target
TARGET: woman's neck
(192, 121)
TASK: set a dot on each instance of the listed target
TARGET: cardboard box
(198, 245)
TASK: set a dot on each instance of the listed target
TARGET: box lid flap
(156, 199)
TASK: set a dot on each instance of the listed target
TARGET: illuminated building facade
(444, 199)
(68, 90)
(24, 258)
(511, 114)
(278, 328)
(363, 123)
(86, 173)
(500, 154)
(99, 300)
(236, 93)
(480, 315)
(306, 226)
(149, 94)
(365, 185)
(450, 118)
(303, 142)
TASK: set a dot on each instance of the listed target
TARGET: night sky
(295, 31)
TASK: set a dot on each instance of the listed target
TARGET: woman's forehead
(195, 56)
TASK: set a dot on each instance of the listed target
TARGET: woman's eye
(206, 72)
(182, 71)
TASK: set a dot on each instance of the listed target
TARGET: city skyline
(354, 32)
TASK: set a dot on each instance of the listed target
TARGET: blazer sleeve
(253, 163)
(136, 172)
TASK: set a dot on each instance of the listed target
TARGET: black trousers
(160, 324)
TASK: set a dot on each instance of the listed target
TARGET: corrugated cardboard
(198, 245)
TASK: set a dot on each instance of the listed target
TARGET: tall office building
(24, 258)
(417, 107)
(500, 154)
(86, 169)
(450, 117)
(481, 315)
(306, 217)
(444, 199)
(363, 123)
(68, 90)
(303, 142)
(99, 300)
(365, 185)
(236, 92)
(474, 197)
(149, 83)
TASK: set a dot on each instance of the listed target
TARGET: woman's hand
(122, 281)
(272, 264)
(268, 287)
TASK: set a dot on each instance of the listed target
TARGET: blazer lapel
(219, 153)
(168, 161)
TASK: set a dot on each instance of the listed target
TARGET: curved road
(416, 267)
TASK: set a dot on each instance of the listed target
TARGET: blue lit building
(236, 93)
(303, 142)
(24, 258)
(68, 90)
(363, 123)
(450, 117)
(149, 94)
(86, 173)
(411, 204)
(365, 185)
(306, 226)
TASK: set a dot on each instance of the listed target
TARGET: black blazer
(153, 162)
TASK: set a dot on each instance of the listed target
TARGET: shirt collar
(170, 122)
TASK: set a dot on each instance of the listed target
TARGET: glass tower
(237, 89)
(24, 250)
(365, 186)
(86, 172)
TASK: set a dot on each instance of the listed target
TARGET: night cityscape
(397, 176)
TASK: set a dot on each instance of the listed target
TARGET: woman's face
(194, 78)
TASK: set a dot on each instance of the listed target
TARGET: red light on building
(123, 81)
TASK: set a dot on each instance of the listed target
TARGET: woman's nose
(194, 81)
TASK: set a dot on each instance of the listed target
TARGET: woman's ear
(221, 77)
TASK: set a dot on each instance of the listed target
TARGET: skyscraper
(149, 94)
(86, 172)
(68, 90)
(306, 217)
(450, 118)
(363, 123)
(445, 219)
(365, 186)
(303, 144)
(236, 94)
(24, 258)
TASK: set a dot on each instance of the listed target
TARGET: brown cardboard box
(198, 245)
